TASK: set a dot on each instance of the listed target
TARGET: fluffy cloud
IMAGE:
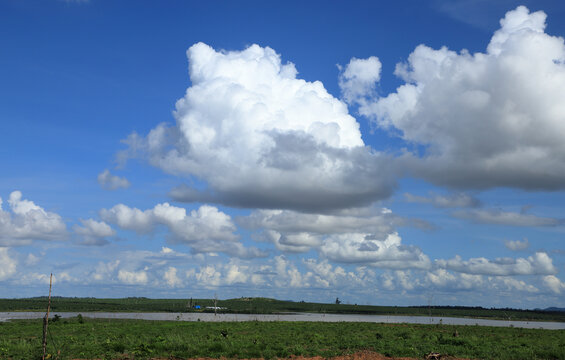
(499, 217)
(349, 236)
(34, 278)
(446, 280)
(28, 221)
(293, 231)
(291, 242)
(515, 284)
(207, 276)
(554, 284)
(359, 79)
(368, 220)
(262, 138)
(94, 232)
(485, 119)
(171, 277)
(443, 279)
(129, 218)
(105, 271)
(133, 277)
(517, 245)
(279, 273)
(383, 253)
(538, 264)
(317, 274)
(112, 182)
(445, 201)
(7, 264)
(205, 230)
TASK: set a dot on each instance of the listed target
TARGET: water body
(5, 316)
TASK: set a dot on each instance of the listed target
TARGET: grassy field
(266, 306)
(113, 339)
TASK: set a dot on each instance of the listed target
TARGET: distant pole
(215, 303)
(46, 318)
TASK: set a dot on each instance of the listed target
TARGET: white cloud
(44, 278)
(235, 274)
(404, 280)
(445, 201)
(292, 231)
(538, 264)
(515, 284)
(28, 221)
(383, 253)
(280, 273)
(207, 276)
(368, 220)
(517, 245)
(205, 230)
(7, 264)
(94, 232)
(262, 138)
(105, 271)
(211, 276)
(446, 280)
(499, 217)
(129, 218)
(442, 278)
(485, 119)
(359, 79)
(554, 284)
(290, 242)
(133, 277)
(112, 182)
(171, 277)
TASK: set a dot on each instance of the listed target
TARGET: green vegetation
(266, 306)
(112, 339)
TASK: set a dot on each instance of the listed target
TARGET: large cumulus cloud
(485, 119)
(258, 136)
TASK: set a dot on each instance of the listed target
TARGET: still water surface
(4, 316)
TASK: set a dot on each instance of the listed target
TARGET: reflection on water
(291, 317)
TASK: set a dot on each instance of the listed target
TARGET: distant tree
(337, 301)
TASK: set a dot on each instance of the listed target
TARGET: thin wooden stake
(46, 318)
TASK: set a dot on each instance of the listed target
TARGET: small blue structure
(197, 306)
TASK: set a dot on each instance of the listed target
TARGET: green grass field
(266, 306)
(112, 339)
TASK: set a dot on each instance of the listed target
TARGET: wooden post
(46, 318)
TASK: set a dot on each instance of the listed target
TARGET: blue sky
(398, 153)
